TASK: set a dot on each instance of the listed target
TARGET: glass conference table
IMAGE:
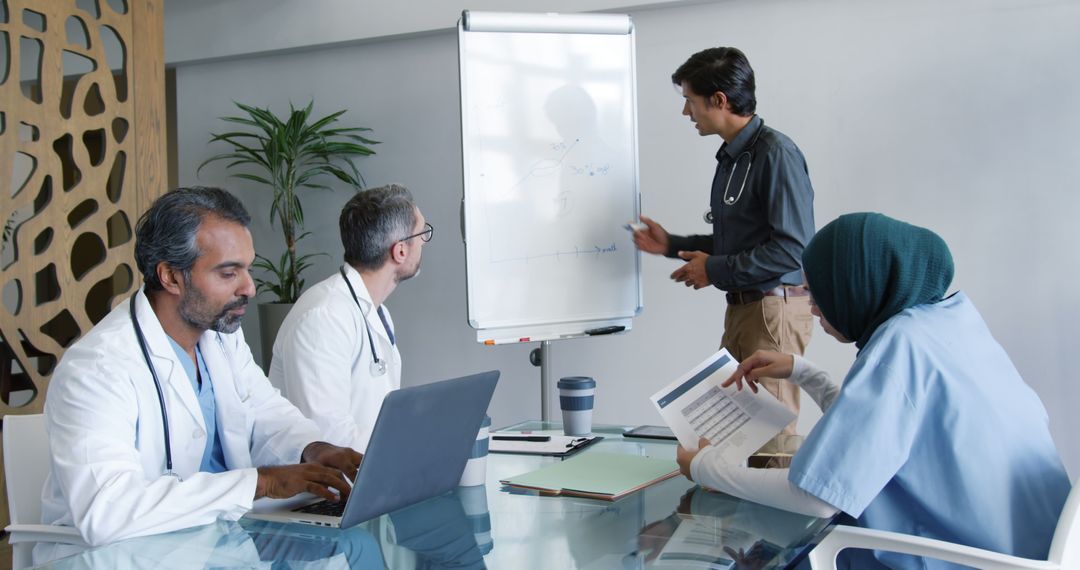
(672, 524)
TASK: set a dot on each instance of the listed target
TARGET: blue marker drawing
(594, 251)
(590, 169)
(547, 166)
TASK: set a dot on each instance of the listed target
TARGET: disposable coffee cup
(576, 400)
(475, 472)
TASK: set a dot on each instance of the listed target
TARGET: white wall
(201, 30)
(958, 115)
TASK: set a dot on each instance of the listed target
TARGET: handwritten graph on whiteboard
(550, 171)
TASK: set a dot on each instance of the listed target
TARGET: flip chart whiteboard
(549, 148)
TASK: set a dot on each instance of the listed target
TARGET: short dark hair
(723, 69)
(372, 221)
(166, 231)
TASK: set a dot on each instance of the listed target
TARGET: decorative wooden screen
(81, 155)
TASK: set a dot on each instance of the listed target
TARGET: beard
(195, 310)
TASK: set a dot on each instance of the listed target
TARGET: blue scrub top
(213, 459)
(935, 434)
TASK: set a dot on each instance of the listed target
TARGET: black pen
(522, 437)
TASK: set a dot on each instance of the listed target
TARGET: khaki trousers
(783, 324)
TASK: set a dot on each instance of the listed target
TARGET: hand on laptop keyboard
(343, 459)
(284, 481)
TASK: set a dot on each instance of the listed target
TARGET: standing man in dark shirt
(761, 212)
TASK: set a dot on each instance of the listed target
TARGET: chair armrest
(823, 556)
(44, 533)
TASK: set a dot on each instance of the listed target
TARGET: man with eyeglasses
(336, 354)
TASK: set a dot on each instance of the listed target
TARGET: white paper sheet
(737, 421)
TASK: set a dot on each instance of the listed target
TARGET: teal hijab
(864, 268)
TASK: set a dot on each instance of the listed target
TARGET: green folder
(606, 476)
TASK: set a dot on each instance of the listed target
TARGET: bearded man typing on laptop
(158, 418)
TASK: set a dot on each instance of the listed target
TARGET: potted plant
(286, 154)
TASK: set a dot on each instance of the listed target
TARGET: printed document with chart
(737, 421)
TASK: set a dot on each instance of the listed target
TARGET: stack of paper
(606, 476)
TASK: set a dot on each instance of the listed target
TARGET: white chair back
(26, 464)
(1065, 548)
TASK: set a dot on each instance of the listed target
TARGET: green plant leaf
(286, 153)
(251, 177)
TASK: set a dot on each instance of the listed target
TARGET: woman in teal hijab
(869, 267)
(933, 428)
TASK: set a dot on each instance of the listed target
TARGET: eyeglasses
(426, 235)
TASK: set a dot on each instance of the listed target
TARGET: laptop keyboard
(324, 507)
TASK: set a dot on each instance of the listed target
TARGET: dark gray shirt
(760, 228)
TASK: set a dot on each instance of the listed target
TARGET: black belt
(753, 295)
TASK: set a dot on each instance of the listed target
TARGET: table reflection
(710, 529)
(672, 524)
(230, 544)
(435, 534)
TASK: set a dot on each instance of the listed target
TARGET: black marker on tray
(605, 330)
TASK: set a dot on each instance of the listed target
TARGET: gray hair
(372, 221)
(166, 232)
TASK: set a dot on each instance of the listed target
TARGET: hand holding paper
(761, 364)
(738, 422)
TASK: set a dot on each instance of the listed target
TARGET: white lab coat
(104, 423)
(322, 360)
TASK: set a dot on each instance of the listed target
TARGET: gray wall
(200, 30)
(958, 115)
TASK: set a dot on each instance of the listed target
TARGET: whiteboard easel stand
(539, 357)
(497, 53)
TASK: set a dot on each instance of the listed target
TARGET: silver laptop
(418, 449)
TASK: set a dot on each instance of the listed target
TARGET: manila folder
(606, 476)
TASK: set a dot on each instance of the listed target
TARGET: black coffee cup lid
(576, 383)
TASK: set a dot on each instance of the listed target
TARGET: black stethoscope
(728, 199)
(157, 384)
(378, 365)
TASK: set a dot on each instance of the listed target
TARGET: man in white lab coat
(336, 355)
(175, 350)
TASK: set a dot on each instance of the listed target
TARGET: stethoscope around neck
(378, 365)
(378, 368)
(727, 199)
(157, 385)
